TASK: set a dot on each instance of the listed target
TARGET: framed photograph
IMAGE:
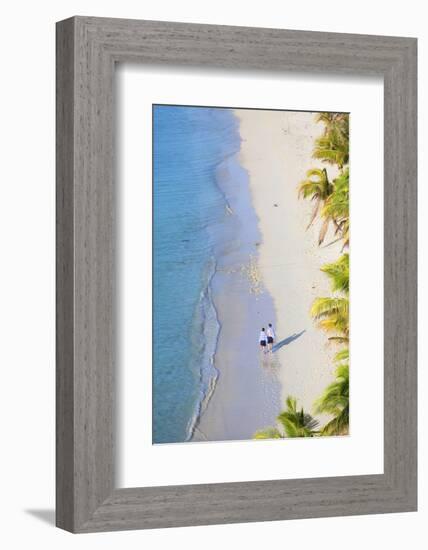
(236, 274)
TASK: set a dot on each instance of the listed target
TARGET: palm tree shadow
(287, 341)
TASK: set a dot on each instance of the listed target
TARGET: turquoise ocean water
(189, 144)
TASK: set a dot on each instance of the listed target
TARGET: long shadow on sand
(287, 341)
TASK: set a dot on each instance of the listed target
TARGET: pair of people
(267, 338)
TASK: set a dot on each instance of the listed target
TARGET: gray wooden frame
(87, 50)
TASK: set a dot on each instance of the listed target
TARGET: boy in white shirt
(263, 340)
(270, 337)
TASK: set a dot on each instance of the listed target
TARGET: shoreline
(208, 372)
(239, 298)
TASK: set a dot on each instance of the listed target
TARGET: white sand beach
(277, 282)
(277, 151)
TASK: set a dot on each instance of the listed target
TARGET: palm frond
(339, 425)
(342, 355)
(339, 339)
(332, 314)
(338, 272)
(314, 213)
(323, 231)
(335, 401)
(333, 146)
(326, 307)
(268, 433)
(297, 423)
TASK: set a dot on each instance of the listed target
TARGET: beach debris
(229, 210)
(252, 272)
(275, 204)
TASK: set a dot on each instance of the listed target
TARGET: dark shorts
(270, 340)
(263, 343)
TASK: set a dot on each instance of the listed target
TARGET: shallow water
(189, 230)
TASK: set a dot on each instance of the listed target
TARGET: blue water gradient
(189, 208)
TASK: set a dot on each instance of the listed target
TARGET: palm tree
(296, 423)
(318, 188)
(332, 315)
(336, 206)
(338, 272)
(333, 146)
(335, 401)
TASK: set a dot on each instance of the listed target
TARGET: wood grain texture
(87, 50)
(64, 276)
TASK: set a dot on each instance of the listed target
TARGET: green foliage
(318, 189)
(331, 198)
(331, 205)
(332, 315)
(316, 186)
(333, 146)
(268, 433)
(295, 423)
(336, 207)
(342, 355)
(338, 272)
(335, 401)
(332, 312)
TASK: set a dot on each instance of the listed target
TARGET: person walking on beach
(263, 340)
(271, 337)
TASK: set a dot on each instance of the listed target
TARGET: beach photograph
(251, 264)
